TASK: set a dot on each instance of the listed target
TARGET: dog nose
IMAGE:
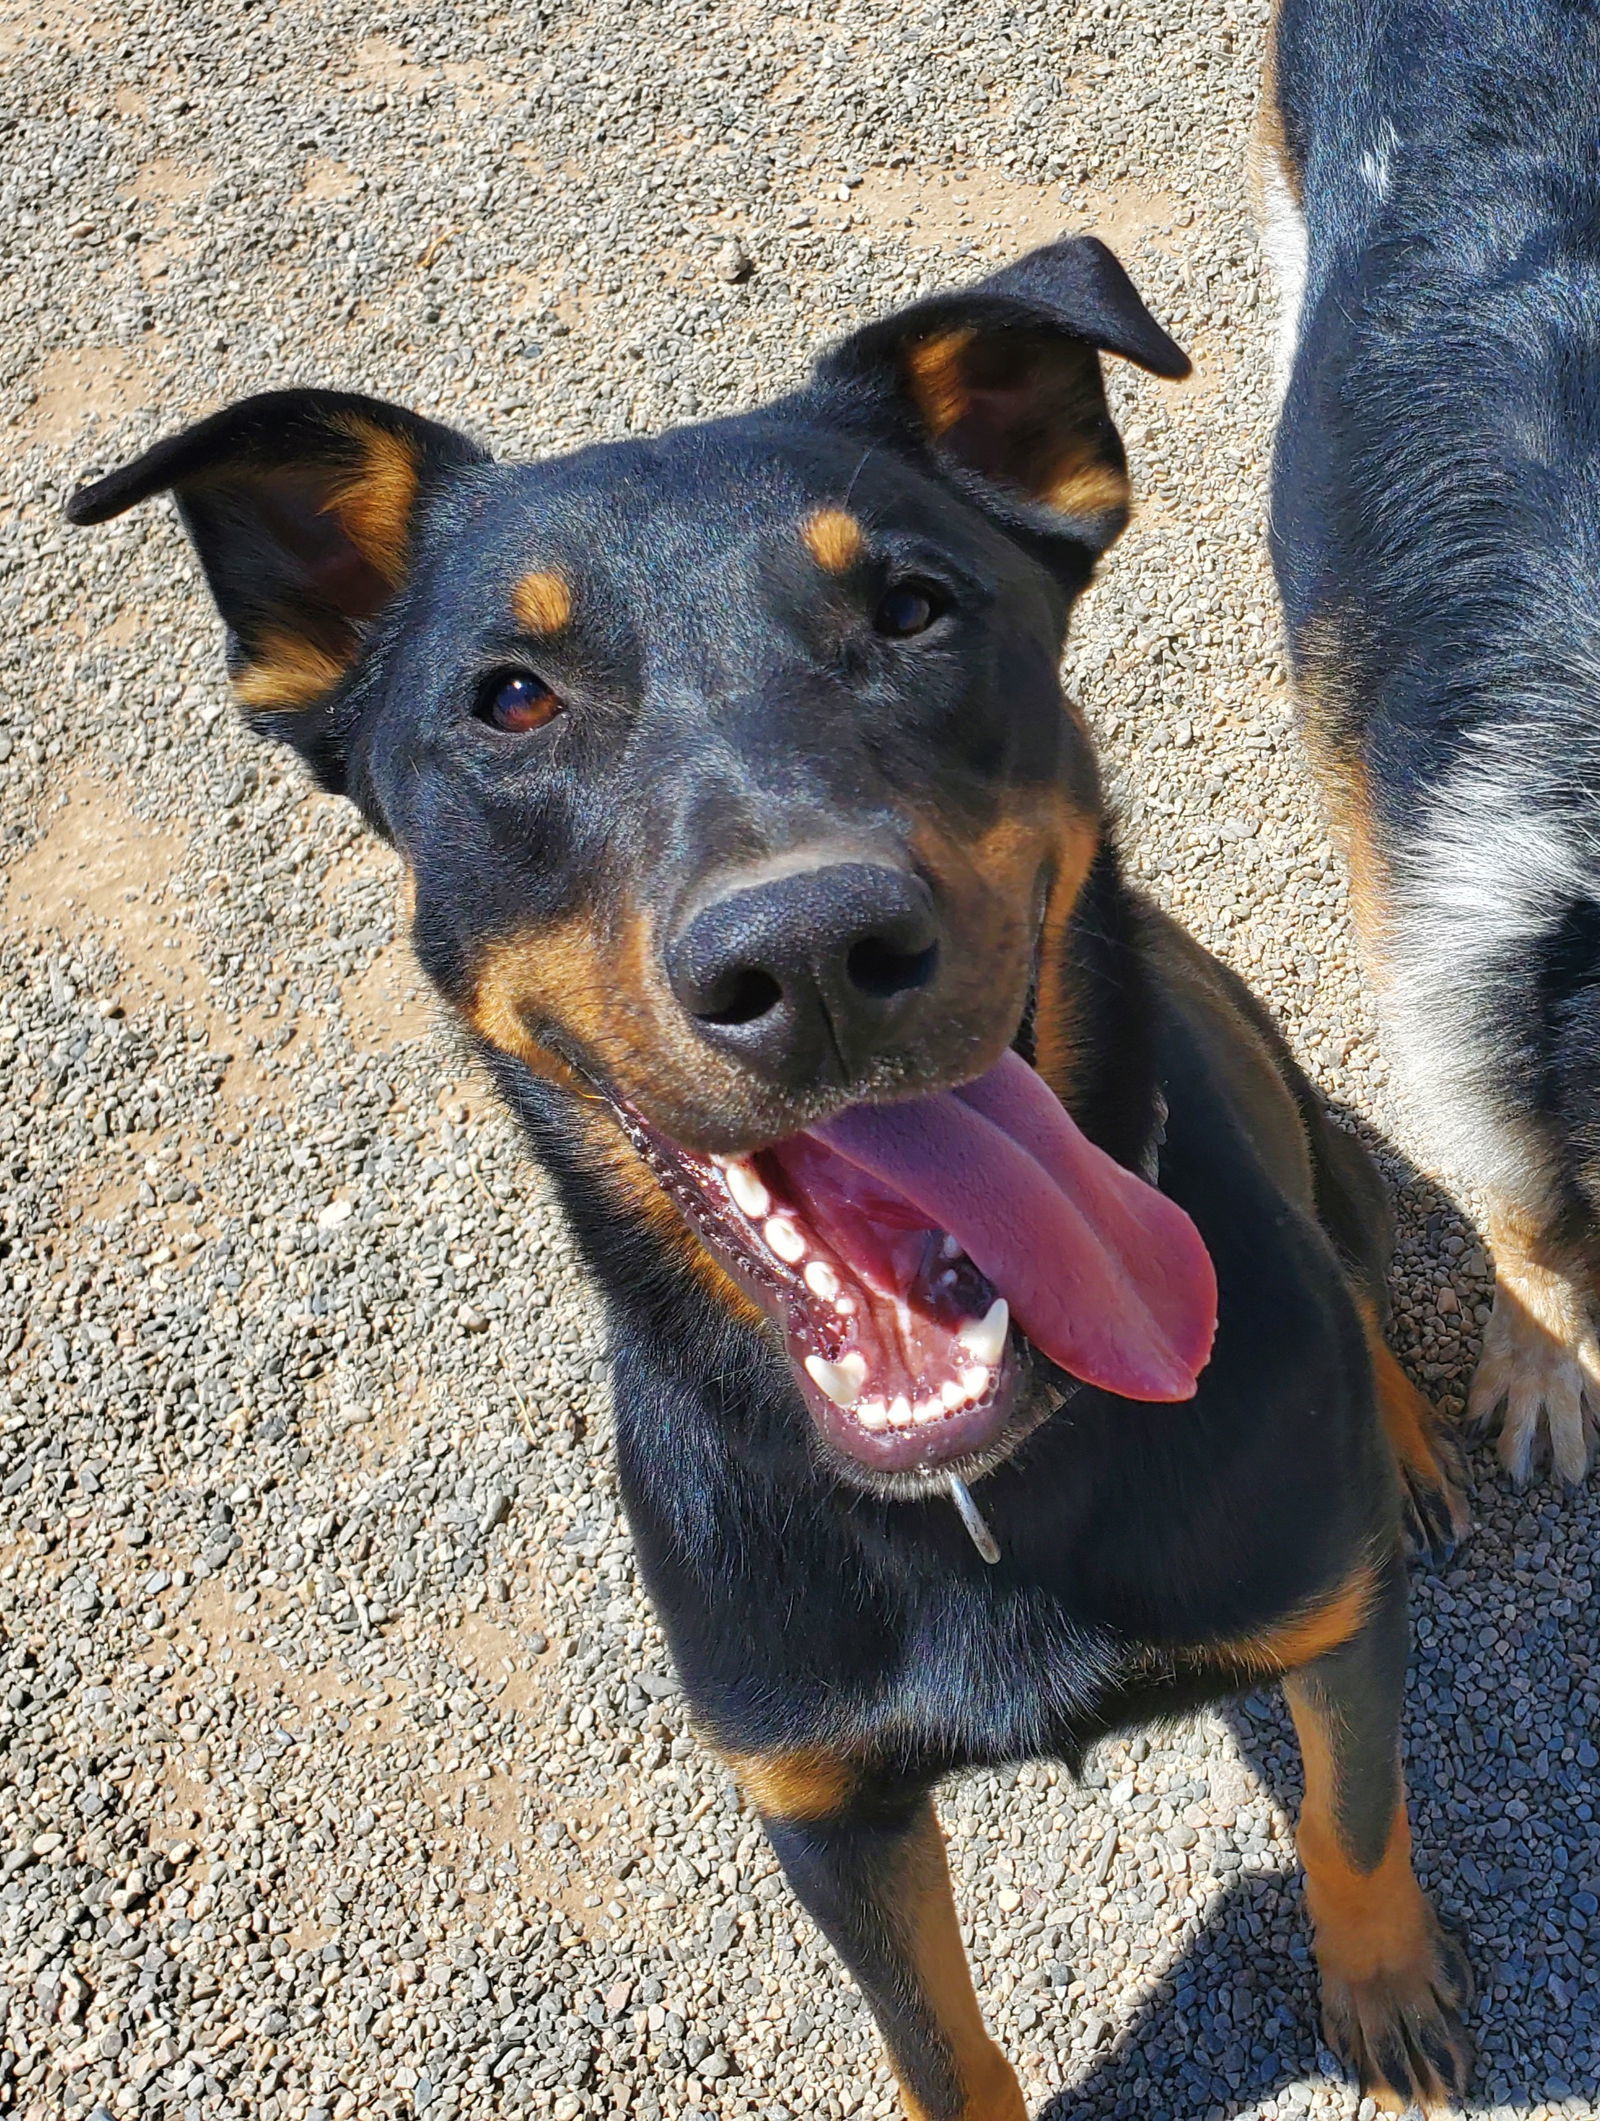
(809, 971)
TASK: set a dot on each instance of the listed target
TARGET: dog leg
(1540, 1360)
(1393, 1981)
(1428, 1455)
(868, 1864)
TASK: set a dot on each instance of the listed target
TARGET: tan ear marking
(542, 602)
(375, 502)
(286, 675)
(935, 370)
(834, 539)
(1088, 488)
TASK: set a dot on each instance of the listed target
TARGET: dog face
(731, 769)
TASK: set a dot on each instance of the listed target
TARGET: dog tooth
(821, 1279)
(872, 1414)
(986, 1337)
(900, 1410)
(845, 1306)
(784, 1239)
(928, 1410)
(748, 1192)
(842, 1381)
(975, 1381)
(952, 1395)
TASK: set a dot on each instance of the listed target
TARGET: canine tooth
(975, 1381)
(900, 1410)
(747, 1190)
(842, 1380)
(952, 1395)
(872, 1414)
(821, 1279)
(986, 1337)
(784, 1238)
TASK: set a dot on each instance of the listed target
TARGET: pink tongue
(1105, 1275)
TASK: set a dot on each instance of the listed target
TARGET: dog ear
(1001, 383)
(302, 507)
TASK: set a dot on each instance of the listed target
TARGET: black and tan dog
(1430, 190)
(914, 1154)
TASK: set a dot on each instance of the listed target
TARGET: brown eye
(516, 702)
(909, 608)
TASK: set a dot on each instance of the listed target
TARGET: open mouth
(910, 1253)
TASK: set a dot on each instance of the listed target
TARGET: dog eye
(516, 702)
(908, 608)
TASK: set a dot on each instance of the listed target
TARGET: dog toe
(1400, 2029)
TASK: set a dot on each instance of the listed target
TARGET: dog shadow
(1501, 1756)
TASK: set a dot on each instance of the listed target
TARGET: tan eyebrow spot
(542, 602)
(834, 539)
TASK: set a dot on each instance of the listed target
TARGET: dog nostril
(878, 969)
(741, 997)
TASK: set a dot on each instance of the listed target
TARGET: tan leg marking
(1425, 1449)
(927, 1909)
(809, 1784)
(1391, 1979)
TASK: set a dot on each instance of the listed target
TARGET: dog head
(732, 773)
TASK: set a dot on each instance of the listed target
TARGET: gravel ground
(344, 1771)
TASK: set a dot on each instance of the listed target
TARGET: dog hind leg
(1484, 954)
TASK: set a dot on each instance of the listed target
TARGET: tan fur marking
(376, 501)
(1366, 1922)
(1407, 1418)
(1304, 1636)
(834, 539)
(1053, 1035)
(542, 602)
(523, 976)
(926, 1909)
(1270, 144)
(1323, 688)
(935, 370)
(288, 675)
(809, 1784)
(1089, 488)
(1388, 1980)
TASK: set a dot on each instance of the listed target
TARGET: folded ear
(1001, 383)
(302, 506)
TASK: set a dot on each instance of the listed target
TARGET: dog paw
(1400, 2028)
(1538, 1377)
(1437, 1516)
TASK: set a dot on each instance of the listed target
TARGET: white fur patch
(1486, 878)
(1377, 161)
(1283, 240)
